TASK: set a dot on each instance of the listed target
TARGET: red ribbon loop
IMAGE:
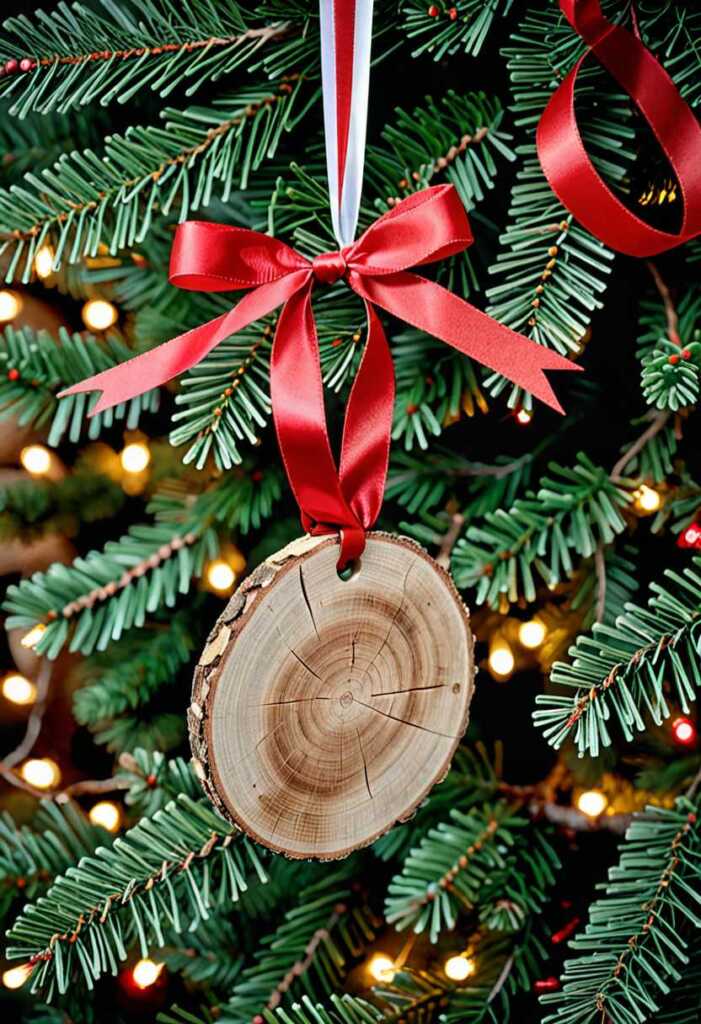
(426, 226)
(565, 162)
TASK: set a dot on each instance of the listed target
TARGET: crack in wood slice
(325, 710)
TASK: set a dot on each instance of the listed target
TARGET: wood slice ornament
(324, 710)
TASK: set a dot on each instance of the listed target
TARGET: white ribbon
(345, 195)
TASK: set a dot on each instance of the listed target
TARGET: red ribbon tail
(159, 365)
(433, 309)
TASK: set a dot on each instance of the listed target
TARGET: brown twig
(600, 565)
(669, 307)
(449, 539)
(31, 733)
(659, 420)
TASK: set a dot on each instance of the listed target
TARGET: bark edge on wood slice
(324, 711)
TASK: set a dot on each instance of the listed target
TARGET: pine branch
(151, 780)
(84, 202)
(634, 948)
(167, 871)
(33, 368)
(30, 509)
(79, 55)
(669, 349)
(635, 669)
(569, 514)
(444, 34)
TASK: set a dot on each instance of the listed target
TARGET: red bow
(573, 177)
(426, 226)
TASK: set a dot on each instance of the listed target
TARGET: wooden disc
(325, 710)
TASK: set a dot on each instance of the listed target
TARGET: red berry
(673, 360)
(453, 13)
(11, 66)
(433, 11)
(151, 780)
(257, 475)
(13, 374)
(26, 64)
(686, 353)
(691, 818)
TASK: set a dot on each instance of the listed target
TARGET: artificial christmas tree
(127, 894)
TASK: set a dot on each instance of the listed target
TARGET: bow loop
(329, 267)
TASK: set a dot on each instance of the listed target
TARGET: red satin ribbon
(564, 160)
(426, 226)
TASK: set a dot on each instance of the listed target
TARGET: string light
(592, 802)
(458, 967)
(684, 731)
(524, 417)
(647, 500)
(36, 459)
(32, 638)
(18, 689)
(41, 772)
(10, 305)
(501, 660)
(135, 457)
(146, 973)
(98, 314)
(382, 968)
(15, 977)
(220, 576)
(106, 814)
(44, 261)
(531, 634)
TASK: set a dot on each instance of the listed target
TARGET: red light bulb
(684, 731)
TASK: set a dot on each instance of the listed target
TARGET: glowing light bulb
(98, 314)
(36, 459)
(10, 305)
(44, 261)
(41, 772)
(531, 634)
(382, 968)
(458, 967)
(524, 417)
(15, 977)
(647, 499)
(32, 638)
(146, 973)
(106, 814)
(135, 457)
(18, 689)
(220, 576)
(684, 731)
(501, 660)
(692, 535)
(592, 803)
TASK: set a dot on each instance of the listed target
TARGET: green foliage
(343, 1009)
(154, 780)
(442, 35)
(634, 949)
(30, 857)
(670, 357)
(166, 872)
(39, 141)
(45, 366)
(640, 667)
(85, 201)
(487, 858)
(30, 509)
(157, 44)
(572, 512)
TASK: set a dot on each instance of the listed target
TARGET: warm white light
(36, 459)
(592, 803)
(41, 772)
(458, 967)
(647, 499)
(15, 977)
(32, 638)
(98, 314)
(18, 689)
(684, 731)
(135, 457)
(106, 814)
(524, 417)
(531, 634)
(10, 305)
(146, 973)
(220, 576)
(382, 968)
(501, 660)
(44, 261)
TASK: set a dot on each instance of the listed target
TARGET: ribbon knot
(424, 227)
(329, 267)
